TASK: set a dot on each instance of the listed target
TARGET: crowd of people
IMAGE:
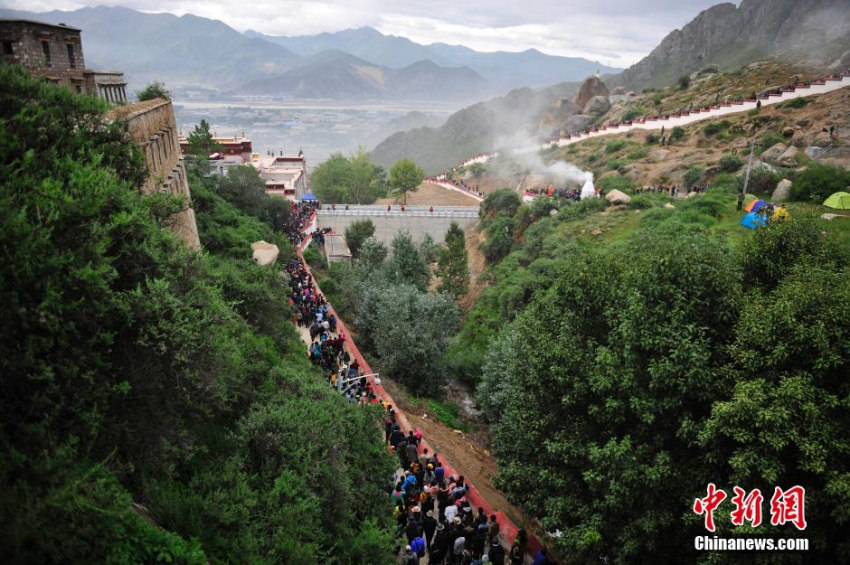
(434, 515)
(567, 193)
(674, 191)
(432, 510)
(302, 214)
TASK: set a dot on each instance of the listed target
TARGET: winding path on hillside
(677, 119)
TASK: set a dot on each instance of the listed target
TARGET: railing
(396, 212)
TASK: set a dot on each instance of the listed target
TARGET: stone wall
(417, 220)
(153, 127)
(22, 42)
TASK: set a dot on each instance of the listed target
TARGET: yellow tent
(780, 213)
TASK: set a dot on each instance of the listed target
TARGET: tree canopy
(137, 370)
(202, 143)
(156, 89)
(349, 180)
(641, 372)
(405, 176)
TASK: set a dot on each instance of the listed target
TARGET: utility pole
(749, 166)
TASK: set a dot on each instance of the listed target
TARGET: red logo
(747, 508)
(708, 505)
(788, 506)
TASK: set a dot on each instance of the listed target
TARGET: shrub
(678, 133)
(715, 127)
(616, 181)
(651, 138)
(795, 103)
(726, 182)
(693, 176)
(503, 202)
(617, 164)
(684, 82)
(614, 146)
(762, 179)
(816, 183)
(730, 163)
(633, 113)
(639, 153)
(156, 89)
(769, 139)
(593, 157)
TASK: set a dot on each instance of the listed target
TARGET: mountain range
(815, 33)
(191, 52)
(506, 69)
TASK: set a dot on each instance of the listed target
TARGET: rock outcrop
(730, 36)
(597, 106)
(557, 114)
(265, 253)
(789, 157)
(592, 86)
(617, 197)
(782, 191)
(772, 154)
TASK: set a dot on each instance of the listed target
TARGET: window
(7, 48)
(79, 89)
(71, 56)
(45, 47)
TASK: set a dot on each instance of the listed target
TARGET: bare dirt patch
(430, 194)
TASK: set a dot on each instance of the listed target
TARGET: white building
(285, 175)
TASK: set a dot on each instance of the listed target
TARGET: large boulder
(782, 191)
(591, 87)
(773, 154)
(597, 106)
(815, 152)
(617, 197)
(557, 114)
(799, 138)
(619, 90)
(265, 253)
(822, 139)
(579, 122)
(789, 157)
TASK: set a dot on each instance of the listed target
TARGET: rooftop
(35, 22)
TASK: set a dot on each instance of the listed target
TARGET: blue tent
(753, 220)
(309, 196)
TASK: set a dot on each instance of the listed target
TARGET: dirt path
(466, 456)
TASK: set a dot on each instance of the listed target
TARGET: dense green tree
(135, 369)
(357, 233)
(243, 187)
(502, 202)
(405, 176)
(372, 254)
(818, 181)
(156, 89)
(408, 330)
(202, 143)
(641, 372)
(608, 369)
(787, 420)
(429, 249)
(453, 268)
(406, 265)
(349, 180)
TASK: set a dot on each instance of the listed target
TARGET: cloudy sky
(615, 32)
